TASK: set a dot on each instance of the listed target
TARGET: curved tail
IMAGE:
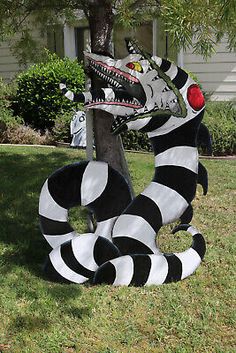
(92, 184)
(154, 269)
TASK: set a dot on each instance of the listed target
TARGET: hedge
(38, 97)
(220, 118)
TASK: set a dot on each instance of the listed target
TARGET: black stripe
(114, 199)
(187, 215)
(105, 274)
(129, 246)
(64, 90)
(79, 97)
(51, 274)
(98, 94)
(180, 179)
(202, 178)
(71, 261)
(64, 185)
(104, 251)
(184, 135)
(174, 268)
(165, 65)
(204, 139)
(50, 227)
(142, 266)
(180, 79)
(155, 122)
(144, 207)
(199, 245)
(122, 94)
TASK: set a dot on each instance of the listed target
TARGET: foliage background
(39, 99)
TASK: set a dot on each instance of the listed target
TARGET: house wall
(144, 35)
(217, 75)
(9, 66)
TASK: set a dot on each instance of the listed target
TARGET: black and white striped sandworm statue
(156, 97)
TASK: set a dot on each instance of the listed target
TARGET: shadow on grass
(21, 178)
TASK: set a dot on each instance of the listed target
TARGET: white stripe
(183, 90)
(124, 270)
(172, 124)
(138, 124)
(171, 203)
(192, 230)
(109, 94)
(62, 85)
(63, 269)
(87, 97)
(94, 182)
(56, 240)
(190, 261)
(49, 208)
(69, 95)
(135, 227)
(182, 156)
(172, 72)
(83, 246)
(158, 271)
(104, 228)
(157, 60)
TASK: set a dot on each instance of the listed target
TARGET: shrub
(137, 141)
(21, 134)
(61, 129)
(6, 113)
(220, 118)
(38, 95)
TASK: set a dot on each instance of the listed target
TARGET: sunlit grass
(195, 315)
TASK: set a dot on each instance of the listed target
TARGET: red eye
(195, 97)
(131, 66)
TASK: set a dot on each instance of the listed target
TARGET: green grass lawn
(36, 316)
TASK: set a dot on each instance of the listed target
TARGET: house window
(82, 42)
(55, 40)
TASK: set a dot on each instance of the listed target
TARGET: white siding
(9, 66)
(8, 63)
(217, 75)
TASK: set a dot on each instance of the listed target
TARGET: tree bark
(109, 148)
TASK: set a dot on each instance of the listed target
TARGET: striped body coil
(156, 97)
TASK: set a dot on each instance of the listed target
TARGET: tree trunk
(109, 148)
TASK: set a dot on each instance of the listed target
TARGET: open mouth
(129, 98)
(119, 80)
